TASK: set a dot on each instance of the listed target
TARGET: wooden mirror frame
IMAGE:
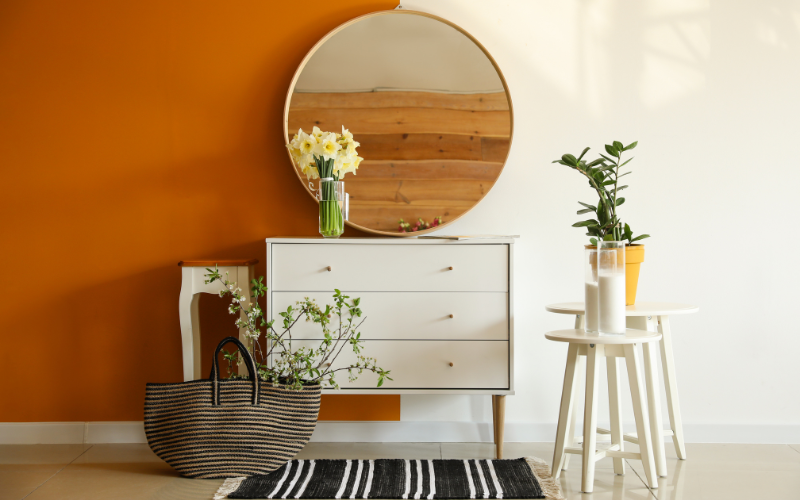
(384, 13)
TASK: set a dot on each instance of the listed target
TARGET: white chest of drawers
(439, 313)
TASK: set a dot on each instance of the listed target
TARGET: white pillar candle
(612, 303)
(592, 301)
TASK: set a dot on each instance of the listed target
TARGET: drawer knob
(329, 268)
(451, 363)
(452, 316)
(450, 268)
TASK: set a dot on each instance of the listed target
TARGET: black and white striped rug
(399, 479)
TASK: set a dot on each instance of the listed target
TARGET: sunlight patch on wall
(675, 58)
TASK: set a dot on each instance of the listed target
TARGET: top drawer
(402, 268)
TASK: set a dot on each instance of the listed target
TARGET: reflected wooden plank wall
(426, 154)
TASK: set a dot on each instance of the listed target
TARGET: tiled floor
(131, 471)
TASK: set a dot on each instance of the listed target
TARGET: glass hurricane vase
(332, 207)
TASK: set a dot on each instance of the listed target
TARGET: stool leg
(654, 406)
(564, 412)
(593, 352)
(571, 425)
(640, 413)
(671, 385)
(190, 327)
(615, 410)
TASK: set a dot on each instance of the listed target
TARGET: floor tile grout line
(792, 447)
(59, 470)
(649, 490)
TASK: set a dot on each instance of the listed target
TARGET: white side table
(651, 316)
(193, 283)
(611, 347)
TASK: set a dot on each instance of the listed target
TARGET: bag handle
(248, 361)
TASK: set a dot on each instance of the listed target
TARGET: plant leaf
(611, 150)
(587, 205)
(570, 160)
(640, 237)
(584, 211)
(626, 161)
(620, 201)
(621, 188)
(586, 223)
(618, 146)
(631, 145)
(583, 153)
(595, 162)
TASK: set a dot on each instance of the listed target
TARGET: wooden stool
(652, 316)
(194, 282)
(594, 346)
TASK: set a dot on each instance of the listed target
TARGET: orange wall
(134, 135)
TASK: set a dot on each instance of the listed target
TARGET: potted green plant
(603, 175)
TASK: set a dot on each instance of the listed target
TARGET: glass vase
(332, 207)
(611, 287)
(591, 294)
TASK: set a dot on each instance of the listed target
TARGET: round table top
(581, 337)
(638, 309)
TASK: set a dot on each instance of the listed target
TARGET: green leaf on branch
(570, 160)
(611, 150)
(640, 237)
(584, 211)
(583, 153)
(631, 145)
(587, 205)
(620, 201)
(618, 146)
(586, 223)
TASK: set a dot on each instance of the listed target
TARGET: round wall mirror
(429, 106)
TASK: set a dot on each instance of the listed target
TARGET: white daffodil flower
(317, 133)
(346, 134)
(310, 170)
(328, 147)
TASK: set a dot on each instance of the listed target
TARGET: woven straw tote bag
(229, 428)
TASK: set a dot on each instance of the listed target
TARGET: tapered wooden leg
(654, 407)
(564, 411)
(671, 385)
(615, 410)
(640, 414)
(590, 418)
(577, 382)
(580, 323)
(189, 316)
(494, 420)
(499, 422)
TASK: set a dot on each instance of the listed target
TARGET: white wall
(711, 90)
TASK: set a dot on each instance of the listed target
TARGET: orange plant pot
(634, 256)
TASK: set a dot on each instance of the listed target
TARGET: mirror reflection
(427, 105)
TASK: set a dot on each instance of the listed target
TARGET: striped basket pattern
(228, 428)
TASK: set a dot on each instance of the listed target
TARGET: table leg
(654, 406)
(593, 353)
(564, 412)
(243, 276)
(572, 423)
(188, 303)
(641, 416)
(615, 411)
(671, 386)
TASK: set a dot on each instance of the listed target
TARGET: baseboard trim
(384, 432)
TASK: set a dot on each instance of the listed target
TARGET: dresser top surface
(477, 240)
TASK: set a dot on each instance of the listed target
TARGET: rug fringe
(229, 486)
(541, 470)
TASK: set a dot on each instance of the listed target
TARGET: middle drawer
(411, 315)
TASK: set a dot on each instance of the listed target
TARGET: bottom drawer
(426, 364)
